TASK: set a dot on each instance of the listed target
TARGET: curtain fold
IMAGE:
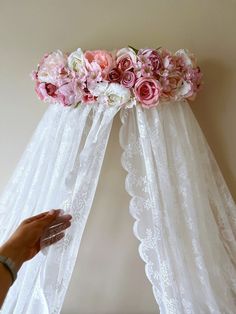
(59, 169)
(184, 213)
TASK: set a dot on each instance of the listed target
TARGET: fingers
(52, 240)
(60, 219)
(53, 232)
(56, 229)
(34, 217)
(47, 220)
(41, 215)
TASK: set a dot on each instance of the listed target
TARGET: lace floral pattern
(57, 170)
(184, 215)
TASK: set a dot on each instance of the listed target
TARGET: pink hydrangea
(69, 93)
(149, 63)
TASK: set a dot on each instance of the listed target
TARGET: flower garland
(124, 76)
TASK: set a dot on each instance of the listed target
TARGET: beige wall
(109, 277)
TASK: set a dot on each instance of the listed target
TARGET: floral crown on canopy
(126, 76)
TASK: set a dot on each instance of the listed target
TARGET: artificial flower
(115, 95)
(103, 58)
(52, 68)
(126, 76)
(126, 59)
(128, 79)
(147, 91)
(77, 63)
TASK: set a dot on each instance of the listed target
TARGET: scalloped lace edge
(142, 254)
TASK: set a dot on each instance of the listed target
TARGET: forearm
(5, 275)
(5, 282)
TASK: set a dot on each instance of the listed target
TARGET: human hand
(33, 234)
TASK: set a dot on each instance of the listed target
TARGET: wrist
(16, 255)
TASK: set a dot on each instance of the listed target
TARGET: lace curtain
(59, 169)
(184, 214)
(185, 217)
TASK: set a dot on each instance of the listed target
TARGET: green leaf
(135, 50)
(77, 104)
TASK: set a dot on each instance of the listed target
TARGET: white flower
(97, 88)
(76, 61)
(188, 57)
(184, 90)
(115, 95)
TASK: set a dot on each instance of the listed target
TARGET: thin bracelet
(10, 265)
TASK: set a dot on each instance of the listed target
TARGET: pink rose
(147, 91)
(103, 58)
(114, 75)
(45, 91)
(128, 79)
(126, 59)
(125, 64)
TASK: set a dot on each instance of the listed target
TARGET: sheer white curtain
(59, 169)
(184, 214)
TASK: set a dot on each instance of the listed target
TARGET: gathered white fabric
(184, 214)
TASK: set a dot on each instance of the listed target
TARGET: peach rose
(103, 58)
